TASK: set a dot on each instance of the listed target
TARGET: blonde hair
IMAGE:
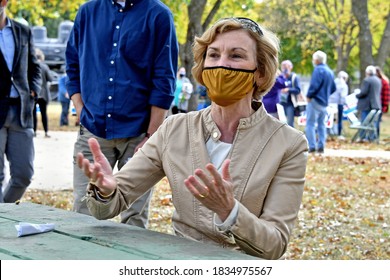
(267, 50)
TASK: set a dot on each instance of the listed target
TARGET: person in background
(321, 87)
(291, 87)
(20, 81)
(63, 98)
(273, 96)
(44, 95)
(121, 81)
(183, 92)
(338, 97)
(369, 97)
(203, 99)
(236, 173)
(385, 95)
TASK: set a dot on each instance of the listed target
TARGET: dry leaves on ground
(345, 210)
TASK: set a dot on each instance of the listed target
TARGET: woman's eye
(212, 55)
(237, 55)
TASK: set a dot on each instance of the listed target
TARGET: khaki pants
(118, 152)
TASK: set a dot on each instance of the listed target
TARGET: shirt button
(115, 44)
(109, 115)
(117, 27)
(120, 10)
(111, 79)
(112, 62)
(110, 97)
(12, 78)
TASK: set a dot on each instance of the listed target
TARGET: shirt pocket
(135, 47)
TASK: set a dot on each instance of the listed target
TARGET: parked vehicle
(53, 48)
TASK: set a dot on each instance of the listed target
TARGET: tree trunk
(195, 28)
(360, 11)
(340, 61)
(195, 12)
(384, 48)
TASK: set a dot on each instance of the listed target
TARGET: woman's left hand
(215, 191)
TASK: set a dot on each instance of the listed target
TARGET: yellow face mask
(226, 86)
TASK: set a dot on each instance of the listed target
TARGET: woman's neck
(227, 118)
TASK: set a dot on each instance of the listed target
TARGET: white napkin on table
(28, 228)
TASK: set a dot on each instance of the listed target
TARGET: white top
(218, 152)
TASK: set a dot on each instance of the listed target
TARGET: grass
(344, 212)
(53, 113)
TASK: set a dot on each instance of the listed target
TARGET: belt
(14, 101)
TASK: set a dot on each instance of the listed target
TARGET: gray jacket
(25, 75)
(370, 95)
(268, 163)
(46, 79)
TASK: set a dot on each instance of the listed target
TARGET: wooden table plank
(7, 256)
(57, 246)
(78, 236)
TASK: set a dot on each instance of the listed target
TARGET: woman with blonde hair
(236, 173)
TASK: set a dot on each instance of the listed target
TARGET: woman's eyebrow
(233, 49)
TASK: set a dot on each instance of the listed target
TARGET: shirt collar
(7, 23)
(129, 3)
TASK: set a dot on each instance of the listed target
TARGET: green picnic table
(81, 237)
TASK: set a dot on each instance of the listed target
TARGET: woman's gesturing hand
(215, 191)
(99, 172)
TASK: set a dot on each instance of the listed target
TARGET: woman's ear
(258, 78)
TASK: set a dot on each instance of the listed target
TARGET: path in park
(54, 159)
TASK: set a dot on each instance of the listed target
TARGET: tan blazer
(268, 163)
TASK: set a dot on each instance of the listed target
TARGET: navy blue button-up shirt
(122, 60)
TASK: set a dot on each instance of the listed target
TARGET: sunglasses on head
(247, 24)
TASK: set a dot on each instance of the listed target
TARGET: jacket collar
(213, 131)
(7, 22)
(16, 32)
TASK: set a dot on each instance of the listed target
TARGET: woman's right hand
(99, 172)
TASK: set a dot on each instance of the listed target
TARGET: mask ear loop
(256, 76)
